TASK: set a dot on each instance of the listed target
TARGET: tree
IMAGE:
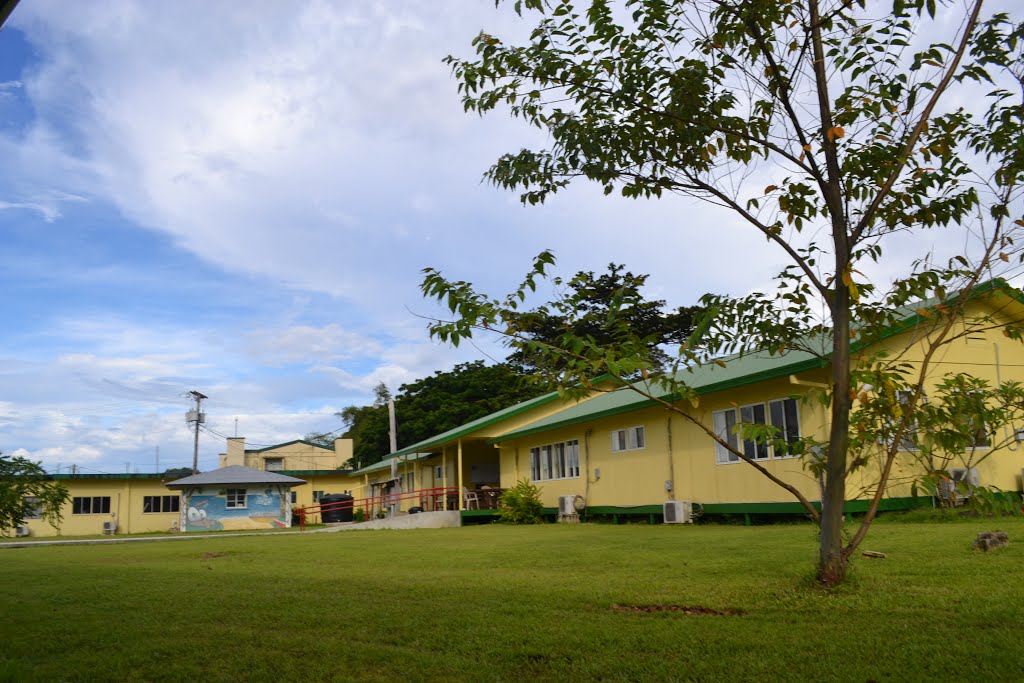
(445, 400)
(596, 296)
(26, 491)
(177, 472)
(432, 405)
(852, 118)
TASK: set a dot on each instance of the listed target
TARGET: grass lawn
(517, 603)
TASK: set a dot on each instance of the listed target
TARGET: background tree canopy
(592, 306)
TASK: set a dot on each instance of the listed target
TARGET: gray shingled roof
(234, 474)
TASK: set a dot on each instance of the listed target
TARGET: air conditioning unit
(109, 527)
(568, 511)
(950, 490)
(567, 505)
(21, 531)
(967, 475)
(677, 512)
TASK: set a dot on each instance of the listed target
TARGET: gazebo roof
(234, 474)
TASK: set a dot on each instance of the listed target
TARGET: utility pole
(198, 417)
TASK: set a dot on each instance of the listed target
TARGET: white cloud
(308, 344)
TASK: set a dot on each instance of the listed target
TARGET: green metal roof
(386, 462)
(288, 443)
(313, 473)
(133, 475)
(478, 424)
(739, 370)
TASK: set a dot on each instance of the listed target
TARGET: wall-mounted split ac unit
(109, 527)
(677, 512)
(21, 531)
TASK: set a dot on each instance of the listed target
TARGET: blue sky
(238, 198)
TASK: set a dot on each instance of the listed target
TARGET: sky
(238, 199)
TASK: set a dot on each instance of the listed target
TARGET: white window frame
(33, 507)
(761, 451)
(629, 439)
(231, 499)
(721, 426)
(162, 502)
(724, 431)
(92, 504)
(555, 461)
(277, 462)
(785, 427)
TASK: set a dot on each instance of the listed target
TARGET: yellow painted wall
(126, 499)
(638, 477)
(297, 455)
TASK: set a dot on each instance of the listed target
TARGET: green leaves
(21, 479)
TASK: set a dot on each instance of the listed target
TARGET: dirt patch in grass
(212, 556)
(693, 610)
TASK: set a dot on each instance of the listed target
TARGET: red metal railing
(429, 499)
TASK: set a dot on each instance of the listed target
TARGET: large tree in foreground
(827, 126)
(27, 492)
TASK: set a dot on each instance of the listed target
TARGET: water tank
(334, 509)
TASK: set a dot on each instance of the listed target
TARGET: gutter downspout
(671, 462)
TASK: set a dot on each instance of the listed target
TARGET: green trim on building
(386, 462)
(136, 475)
(766, 508)
(489, 420)
(627, 401)
(313, 473)
(289, 443)
(478, 424)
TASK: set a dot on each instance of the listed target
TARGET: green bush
(359, 515)
(521, 504)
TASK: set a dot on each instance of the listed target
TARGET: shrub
(521, 504)
(359, 515)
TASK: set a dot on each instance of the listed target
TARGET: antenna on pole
(197, 417)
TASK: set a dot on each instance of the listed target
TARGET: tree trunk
(832, 559)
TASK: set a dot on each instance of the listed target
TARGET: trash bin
(336, 511)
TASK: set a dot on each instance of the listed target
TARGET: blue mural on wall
(207, 509)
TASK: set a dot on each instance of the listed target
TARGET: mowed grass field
(500, 603)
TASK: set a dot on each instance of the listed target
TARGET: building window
(782, 413)
(33, 508)
(786, 417)
(632, 439)
(235, 498)
(90, 505)
(160, 503)
(273, 464)
(317, 495)
(295, 497)
(555, 461)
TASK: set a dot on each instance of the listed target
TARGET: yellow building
(618, 451)
(465, 461)
(624, 454)
(113, 504)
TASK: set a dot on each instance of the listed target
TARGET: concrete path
(423, 520)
